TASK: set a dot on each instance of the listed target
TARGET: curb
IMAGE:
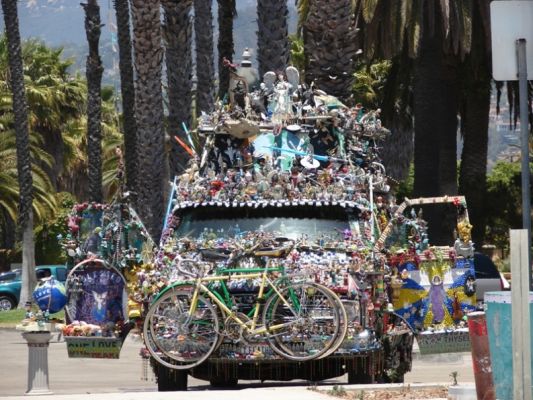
(7, 327)
(387, 386)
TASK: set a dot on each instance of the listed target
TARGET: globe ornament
(50, 295)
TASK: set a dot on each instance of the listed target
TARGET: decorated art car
(283, 254)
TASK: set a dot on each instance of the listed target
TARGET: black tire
(229, 383)
(170, 380)
(7, 303)
(359, 377)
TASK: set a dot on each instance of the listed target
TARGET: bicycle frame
(200, 288)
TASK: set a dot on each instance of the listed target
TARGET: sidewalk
(121, 379)
(277, 393)
(255, 394)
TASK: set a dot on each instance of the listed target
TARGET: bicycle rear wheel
(172, 332)
(309, 318)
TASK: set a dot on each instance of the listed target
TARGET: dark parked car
(488, 278)
(10, 283)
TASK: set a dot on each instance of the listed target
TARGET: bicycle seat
(215, 254)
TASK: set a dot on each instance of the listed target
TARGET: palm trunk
(475, 124)
(226, 13)
(94, 100)
(205, 68)
(53, 145)
(435, 112)
(397, 152)
(473, 174)
(272, 36)
(29, 279)
(128, 93)
(177, 34)
(20, 112)
(330, 46)
(149, 112)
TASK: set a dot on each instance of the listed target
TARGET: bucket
(499, 326)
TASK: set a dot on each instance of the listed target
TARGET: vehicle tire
(6, 303)
(198, 334)
(229, 383)
(359, 377)
(312, 320)
(170, 380)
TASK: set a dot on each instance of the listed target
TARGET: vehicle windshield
(290, 222)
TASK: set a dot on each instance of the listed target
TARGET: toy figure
(463, 246)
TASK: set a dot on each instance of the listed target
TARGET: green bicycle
(300, 321)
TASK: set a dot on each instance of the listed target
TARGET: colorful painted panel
(436, 293)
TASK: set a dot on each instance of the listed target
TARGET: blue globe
(50, 295)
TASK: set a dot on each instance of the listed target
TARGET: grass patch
(11, 317)
(8, 319)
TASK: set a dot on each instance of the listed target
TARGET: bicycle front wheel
(343, 327)
(303, 321)
(172, 332)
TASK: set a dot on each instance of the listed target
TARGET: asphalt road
(79, 376)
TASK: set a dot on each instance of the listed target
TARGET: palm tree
(435, 115)
(272, 35)
(128, 92)
(24, 176)
(437, 35)
(330, 47)
(149, 110)
(94, 71)
(55, 100)
(75, 149)
(226, 12)
(44, 203)
(205, 68)
(177, 35)
(474, 109)
(387, 85)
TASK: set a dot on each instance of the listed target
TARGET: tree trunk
(473, 173)
(330, 46)
(20, 112)
(29, 279)
(149, 112)
(435, 112)
(397, 149)
(272, 36)
(53, 145)
(226, 12)
(475, 124)
(128, 93)
(205, 64)
(94, 71)
(177, 34)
